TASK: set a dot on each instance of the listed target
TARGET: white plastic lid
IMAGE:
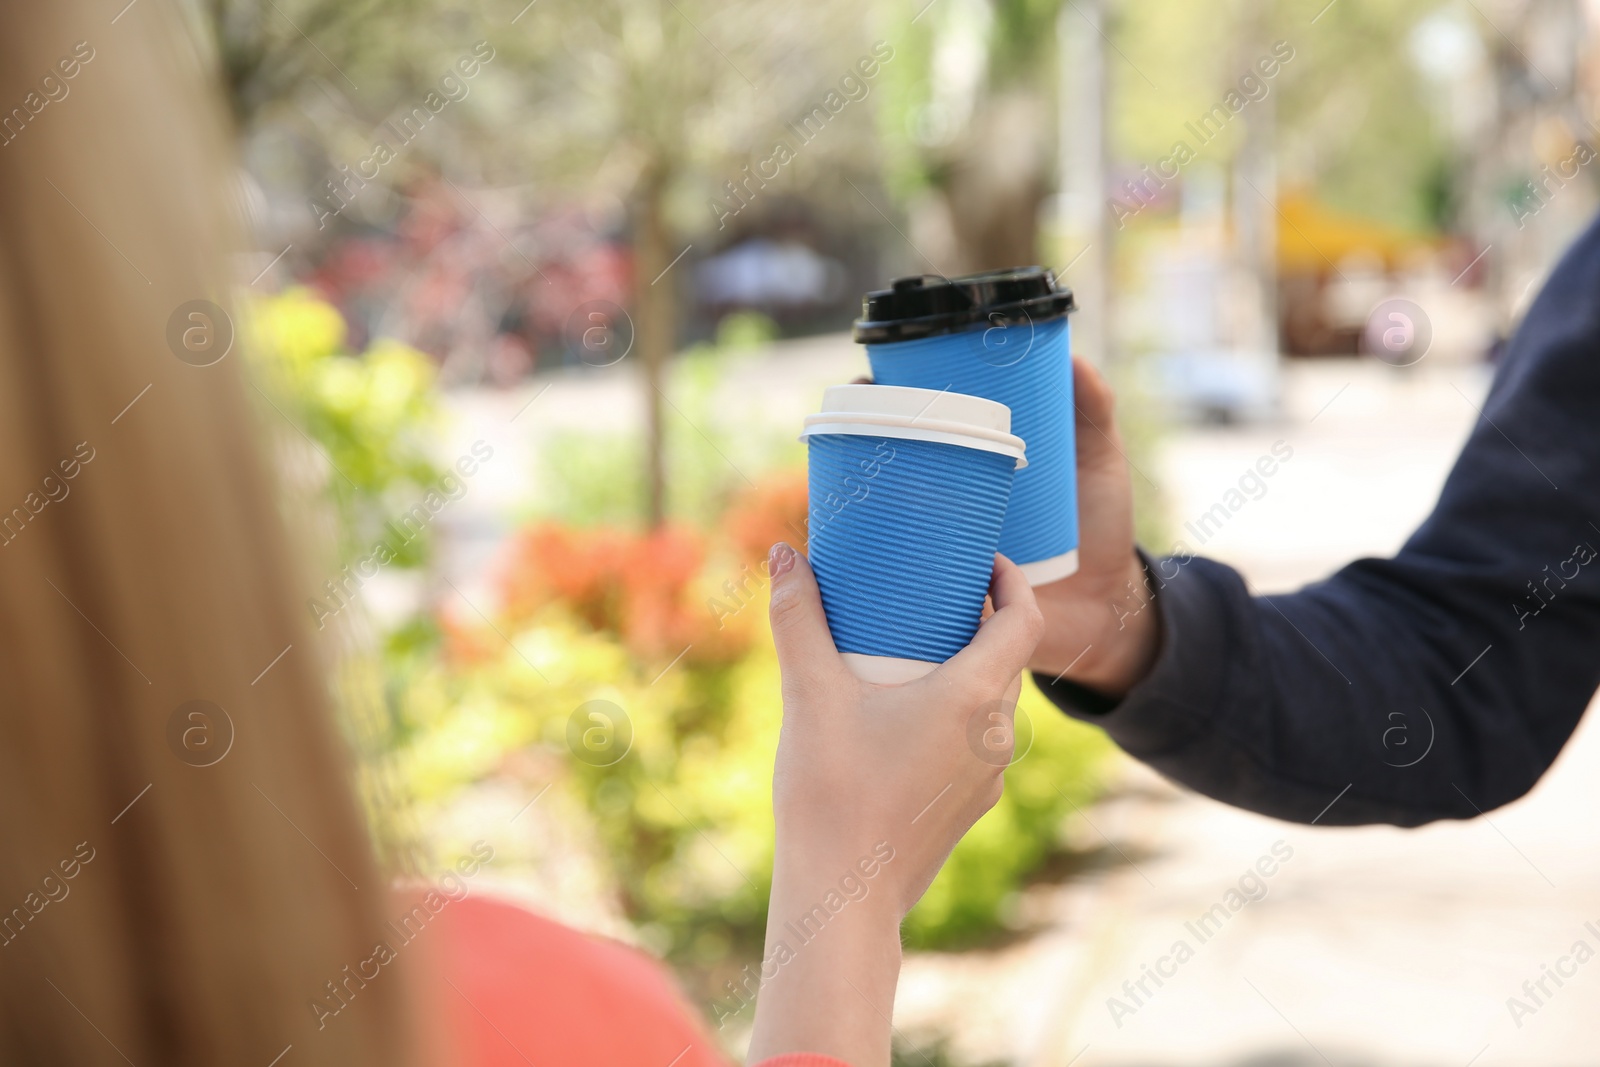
(917, 415)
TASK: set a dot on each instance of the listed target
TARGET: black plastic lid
(926, 305)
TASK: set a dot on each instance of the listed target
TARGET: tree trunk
(656, 329)
(997, 182)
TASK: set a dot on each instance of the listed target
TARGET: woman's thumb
(800, 630)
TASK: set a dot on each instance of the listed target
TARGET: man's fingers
(1098, 440)
(806, 653)
(1007, 638)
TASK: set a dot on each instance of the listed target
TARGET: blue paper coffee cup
(1002, 335)
(909, 489)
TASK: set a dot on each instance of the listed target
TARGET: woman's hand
(1100, 628)
(873, 787)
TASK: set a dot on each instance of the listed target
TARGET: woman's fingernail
(780, 560)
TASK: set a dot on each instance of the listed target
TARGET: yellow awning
(1311, 235)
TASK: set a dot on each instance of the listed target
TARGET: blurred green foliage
(370, 415)
(685, 816)
(356, 452)
(1357, 123)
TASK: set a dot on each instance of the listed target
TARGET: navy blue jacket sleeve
(1434, 685)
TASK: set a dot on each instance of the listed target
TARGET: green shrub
(684, 817)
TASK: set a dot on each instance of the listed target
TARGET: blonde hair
(151, 910)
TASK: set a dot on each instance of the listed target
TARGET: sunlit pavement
(1372, 946)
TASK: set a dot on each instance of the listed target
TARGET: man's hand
(1101, 630)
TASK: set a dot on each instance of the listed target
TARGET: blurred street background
(541, 291)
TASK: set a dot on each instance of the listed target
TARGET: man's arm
(1437, 684)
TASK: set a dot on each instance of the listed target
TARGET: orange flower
(654, 575)
(466, 644)
(633, 586)
(550, 563)
(647, 590)
(774, 510)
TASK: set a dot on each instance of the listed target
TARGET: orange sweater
(520, 989)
